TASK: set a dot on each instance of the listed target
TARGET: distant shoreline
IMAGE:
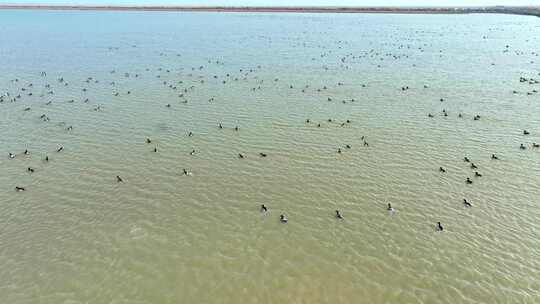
(530, 10)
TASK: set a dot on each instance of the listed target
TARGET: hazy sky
(291, 2)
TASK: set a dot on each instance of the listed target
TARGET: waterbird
(466, 203)
(477, 174)
(240, 155)
(263, 208)
(30, 170)
(263, 154)
(390, 208)
(535, 145)
(60, 149)
(283, 219)
(148, 140)
(468, 181)
(525, 132)
(19, 189)
(11, 155)
(338, 215)
(466, 159)
(493, 156)
(473, 166)
(441, 169)
(522, 147)
(119, 179)
(26, 152)
(439, 226)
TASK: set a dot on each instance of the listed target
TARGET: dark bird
(119, 179)
(263, 208)
(283, 219)
(466, 203)
(338, 215)
(439, 226)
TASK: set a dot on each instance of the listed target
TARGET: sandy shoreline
(533, 11)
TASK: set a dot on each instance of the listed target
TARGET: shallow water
(76, 235)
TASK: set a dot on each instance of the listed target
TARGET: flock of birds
(183, 88)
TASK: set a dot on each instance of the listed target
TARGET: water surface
(76, 235)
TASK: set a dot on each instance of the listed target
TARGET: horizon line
(493, 9)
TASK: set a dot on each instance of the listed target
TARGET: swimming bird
(240, 155)
(220, 126)
(60, 149)
(441, 169)
(348, 146)
(338, 215)
(155, 149)
(46, 158)
(30, 170)
(466, 159)
(262, 154)
(26, 152)
(338, 150)
(192, 152)
(390, 208)
(522, 147)
(263, 208)
(283, 219)
(148, 140)
(468, 181)
(493, 156)
(236, 128)
(19, 189)
(466, 203)
(525, 132)
(535, 145)
(477, 174)
(473, 166)
(439, 226)
(11, 155)
(119, 179)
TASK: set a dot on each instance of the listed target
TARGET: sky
(285, 2)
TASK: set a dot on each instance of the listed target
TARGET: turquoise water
(76, 235)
